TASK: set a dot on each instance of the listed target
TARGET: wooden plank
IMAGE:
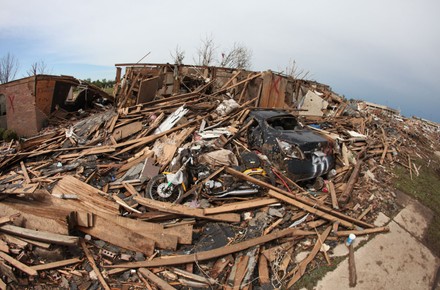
(145, 140)
(211, 254)
(6, 270)
(156, 280)
(25, 173)
(352, 276)
(87, 194)
(182, 232)
(163, 239)
(331, 189)
(126, 130)
(365, 212)
(194, 277)
(2, 285)
(263, 271)
(310, 209)
(187, 211)
(363, 232)
(27, 188)
(346, 194)
(57, 264)
(299, 270)
(124, 204)
(242, 205)
(4, 247)
(242, 265)
(38, 215)
(40, 235)
(220, 265)
(311, 204)
(90, 151)
(119, 236)
(19, 265)
(93, 264)
(37, 243)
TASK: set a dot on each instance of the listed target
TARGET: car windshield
(284, 123)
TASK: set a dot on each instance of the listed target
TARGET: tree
(38, 67)
(8, 68)
(205, 53)
(293, 70)
(238, 57)
(178, 55)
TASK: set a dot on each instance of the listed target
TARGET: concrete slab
(415, 218)
(381, 220)
(394, 260)
(342, 250)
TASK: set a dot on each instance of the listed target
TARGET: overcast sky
(382, 51)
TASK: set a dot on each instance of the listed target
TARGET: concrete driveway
(395, 260)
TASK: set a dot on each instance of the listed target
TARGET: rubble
(84, 185)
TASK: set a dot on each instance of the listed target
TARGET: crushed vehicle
(296, 150)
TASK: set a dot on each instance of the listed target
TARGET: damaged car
(294, 149)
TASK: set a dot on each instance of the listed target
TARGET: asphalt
(394, 260)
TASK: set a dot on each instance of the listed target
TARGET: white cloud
(380, 43)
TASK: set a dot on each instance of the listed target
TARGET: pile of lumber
(78, 188)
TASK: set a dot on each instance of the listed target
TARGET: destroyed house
(26, 104)
(142, 83)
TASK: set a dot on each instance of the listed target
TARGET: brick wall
(20, 106)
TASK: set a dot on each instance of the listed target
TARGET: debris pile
(164, 191)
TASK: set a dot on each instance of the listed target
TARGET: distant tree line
(103, 84)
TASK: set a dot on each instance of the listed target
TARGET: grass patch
(312, 276)
(426, 189)
(108, 91)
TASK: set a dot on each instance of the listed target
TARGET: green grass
(426, 189)
(312, 276)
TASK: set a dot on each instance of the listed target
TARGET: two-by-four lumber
(331, 189)
(363, 232)
(156, 280)
(187, 211)
(56, 264)
(310, 209)
(242, 205)
(40, 235)
(19, 265)
(93, 264)
(211, 254)
(299, 270)
(351, 182)
(311, 205)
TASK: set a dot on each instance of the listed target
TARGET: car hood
(305, 139)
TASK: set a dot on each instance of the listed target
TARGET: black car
(301, 153)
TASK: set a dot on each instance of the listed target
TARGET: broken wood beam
(93, 264)
(302, 201)
(211, 254)
(155, 279)
(299, 270)
(346, 194)
(187, 211)
(363, 232)
(331, 189)
(19, 265)
(57, 264)
(206, 280)
(242, 205)
(352, 276)
(41, 236)
(311, 210)
(111, 232)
